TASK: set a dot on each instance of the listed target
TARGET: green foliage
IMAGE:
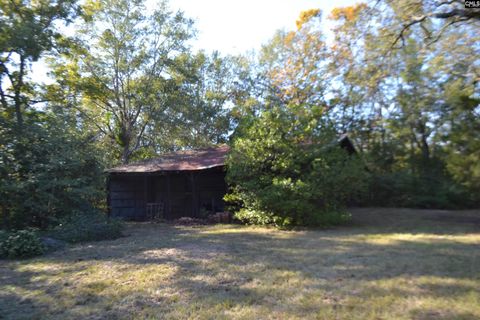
(3, 235)
(332, 217)
(462, 156)
(128, 87)
(28, 29)
(404, 189)
(92, 226)
(46, 173)
(287, 169)
(292, 62)
(131, 75)
(252, 216)
(205, 82)
(408, 94)
(21, 244)
(48, 166)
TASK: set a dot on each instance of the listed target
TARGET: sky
(233, 26)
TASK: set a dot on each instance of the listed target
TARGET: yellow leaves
(289, 38)
(90, 7)
(295, 57)
(349, 13)
(306, 16)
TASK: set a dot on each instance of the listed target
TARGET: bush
(323, 218)
(405, 189)
(21, 244)
(255, 217)
(46, 173)
(287, 169)
(81, 227)
(3, 235)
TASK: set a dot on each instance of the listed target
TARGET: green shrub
(287, 169)
(405, 189)
(46, 173)
(81, 227)
(21, 244)
(255, 217)
(3, 235)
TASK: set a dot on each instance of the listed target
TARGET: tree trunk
(17, 94)
(126, 154)
(425, 150)
(126, 141)
(423, 144)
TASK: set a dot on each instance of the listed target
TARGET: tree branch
(459, 15)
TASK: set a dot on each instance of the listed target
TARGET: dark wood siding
(126, 197)
(211, 189)
(183, 193)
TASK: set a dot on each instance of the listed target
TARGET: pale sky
(235, 26)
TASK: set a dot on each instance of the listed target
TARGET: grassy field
(390, 264)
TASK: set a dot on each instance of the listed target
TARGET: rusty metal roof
(199, 159)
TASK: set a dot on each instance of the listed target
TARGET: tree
(287, 169)
(27, 30)
(123, 65)
(293, 62)
(358, 71)
(45, 168)
(399, 100)
(427, 14)
(203, 117)
(48, 172)
(462, 142)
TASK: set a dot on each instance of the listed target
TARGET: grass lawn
(390, 264)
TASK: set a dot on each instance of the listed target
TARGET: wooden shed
(187, 183)
(181, 184)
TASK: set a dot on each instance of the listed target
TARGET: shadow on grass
(232, 266)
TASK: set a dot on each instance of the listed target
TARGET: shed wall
(184, 193)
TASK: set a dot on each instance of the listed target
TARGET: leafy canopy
(287, 169)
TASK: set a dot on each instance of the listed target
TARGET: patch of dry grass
(391, 264)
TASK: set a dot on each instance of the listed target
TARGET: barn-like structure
(187, 183)
(180, 184)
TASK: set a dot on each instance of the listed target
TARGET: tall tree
(122, 64)
(358, 69)
(407, 101)
(206, 83)
(433, 17)
(28, 29)
(42, 164)
(294, 61)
